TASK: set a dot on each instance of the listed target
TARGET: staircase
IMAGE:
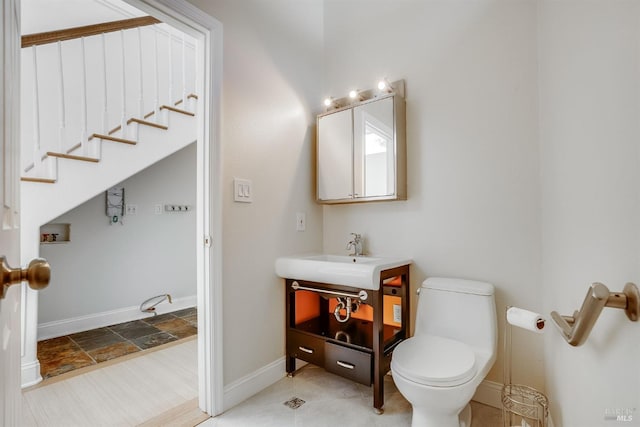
(97, 109)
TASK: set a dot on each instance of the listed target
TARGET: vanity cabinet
(360, 348)
(361, 152)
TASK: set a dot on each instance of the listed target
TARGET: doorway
(208, 31)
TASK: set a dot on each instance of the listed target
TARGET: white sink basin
(360, 272)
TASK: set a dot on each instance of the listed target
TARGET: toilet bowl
(454, 346)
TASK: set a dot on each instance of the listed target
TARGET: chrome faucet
(356, 244)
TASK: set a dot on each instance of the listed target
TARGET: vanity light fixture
(384, 86)
(354, 95)
(331, 103)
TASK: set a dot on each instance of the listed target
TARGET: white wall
(271, 84)
(523, 166)
(473, 203)
(109, 267)
(590, 169)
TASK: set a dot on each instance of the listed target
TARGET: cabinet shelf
(355, 333)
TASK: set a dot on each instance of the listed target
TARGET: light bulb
(385, 86)
(353, 94)
(328, 102)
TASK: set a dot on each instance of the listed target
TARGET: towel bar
(362, 295)
(575, 329)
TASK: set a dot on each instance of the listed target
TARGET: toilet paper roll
(526, 319)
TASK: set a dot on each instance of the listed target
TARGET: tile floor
(64, 354)
(329, 400)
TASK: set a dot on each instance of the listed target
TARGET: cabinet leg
(291, 365)
(378, 393)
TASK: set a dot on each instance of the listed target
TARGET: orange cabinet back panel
(307, 306)
(365, 312)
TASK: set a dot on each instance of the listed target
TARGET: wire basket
(522, 406)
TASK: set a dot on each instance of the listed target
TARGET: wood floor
(156, 388)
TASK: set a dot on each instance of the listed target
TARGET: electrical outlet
(157, 209)
(397, 313)
(301, 221)
(131, 209)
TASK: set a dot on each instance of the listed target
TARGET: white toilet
(452, 350)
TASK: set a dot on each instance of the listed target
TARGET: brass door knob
(37, 274)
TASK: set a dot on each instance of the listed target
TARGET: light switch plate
(242, 191)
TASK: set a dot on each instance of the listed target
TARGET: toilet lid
(433, 360)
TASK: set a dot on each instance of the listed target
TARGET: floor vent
(294, 403)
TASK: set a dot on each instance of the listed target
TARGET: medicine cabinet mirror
(361, 152)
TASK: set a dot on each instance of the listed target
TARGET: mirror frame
(399, 142)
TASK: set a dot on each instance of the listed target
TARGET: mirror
(361, 152)
(335, 166)
(374, 151)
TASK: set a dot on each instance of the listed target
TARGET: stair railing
(84, 138)
(61, 105)
(156, 86)
(94, 112)
(140, 78)
(37, 148)
(123, 121)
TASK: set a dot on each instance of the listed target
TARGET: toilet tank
(463, 310)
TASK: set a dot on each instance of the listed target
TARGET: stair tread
(146, 123)
(41, 180)
(72, 157)
(177, 110)
(190, 96)
(114, 139)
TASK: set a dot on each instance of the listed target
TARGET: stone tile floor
(67, 353)
(315, 397)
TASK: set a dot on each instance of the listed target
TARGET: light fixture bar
(383, 88)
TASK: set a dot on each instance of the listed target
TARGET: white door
(10, 396)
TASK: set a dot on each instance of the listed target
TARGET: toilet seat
(434, 361)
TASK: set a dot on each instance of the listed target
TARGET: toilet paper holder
(575, 329)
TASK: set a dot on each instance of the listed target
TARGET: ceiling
(50, 15)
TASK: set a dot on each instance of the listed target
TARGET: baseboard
(30, 374)
(63, 327)
(245, 387)
(489, 393)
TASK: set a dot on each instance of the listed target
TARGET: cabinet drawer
(349, 363)
(305, 347)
